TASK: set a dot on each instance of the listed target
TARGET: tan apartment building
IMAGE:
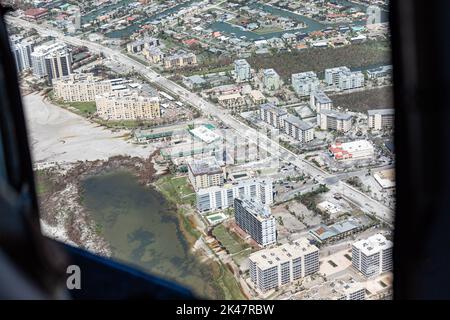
(205, 173)
(119, 105)
(233, 101)
(180, 60)
(80, 87)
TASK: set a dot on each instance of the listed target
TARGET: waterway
(311, 24)
(143, 230)
(126, 32)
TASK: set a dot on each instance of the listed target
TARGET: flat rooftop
(257, 209)
(272, 108)
(336, 114)
(204, 166)
(383, 112)
(268, 258)
(373, 244)
(295, 121)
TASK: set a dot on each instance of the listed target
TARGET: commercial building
(218, 198)
(320, 101)
(35, 13)
(42, 67)
(385, 178)
(351, 80)
(255, 219)
(272, 115)
(334, 120)
(372, 256)
(271, 79)
(298, 129)
(123, 105)
(205, 173)
(275, 267)
(305, 83)
(351, 150)
(257, 97)
(180, 60)
(242, 70)
(194, 82)
(336, 231)
(79, 87)
(381, 119)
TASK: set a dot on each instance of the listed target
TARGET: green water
(143, 230)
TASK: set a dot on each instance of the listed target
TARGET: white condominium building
(381, 119)
(255, 219)
(354, 150)
(273, 268)
(180, 60)
(333, 75)
(272, 115)
(242, 70)
(351, 80)
(349, 291)
(79, 87)
(42, 67)
(218, 198)
(119, 105)
(205, 173)
(372, 256)
(22, 50)
(334, 120)
(320, 101)
(305, 83)
(271, 79)
(298, 129)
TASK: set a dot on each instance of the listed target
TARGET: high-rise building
(305, 83)
(334, 120)
(217, 198)
(372, 256)
(381, 118)
(320, 101)
(58, 63)
(271, 79)
(22, 50)
(205, 173)
(242, 70)
(272, 115)
(38, 59)
(79, 87)
(255, 219)
(298, 129)
(275, 267)
(124, 105)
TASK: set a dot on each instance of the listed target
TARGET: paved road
(367, 204)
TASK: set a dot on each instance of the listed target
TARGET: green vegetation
(136, 58)
(85, 108)
(231, 241)
(44, 185)
(265, 30)
(365, 100)
(310, 199)
(317, 59)
(227, 282)
(176, 189)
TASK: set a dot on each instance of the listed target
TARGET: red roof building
(35, 13)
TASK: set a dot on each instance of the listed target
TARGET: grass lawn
(228, 284)
(85, 108)
(229, 240)
(177, 189)
(265, 30)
